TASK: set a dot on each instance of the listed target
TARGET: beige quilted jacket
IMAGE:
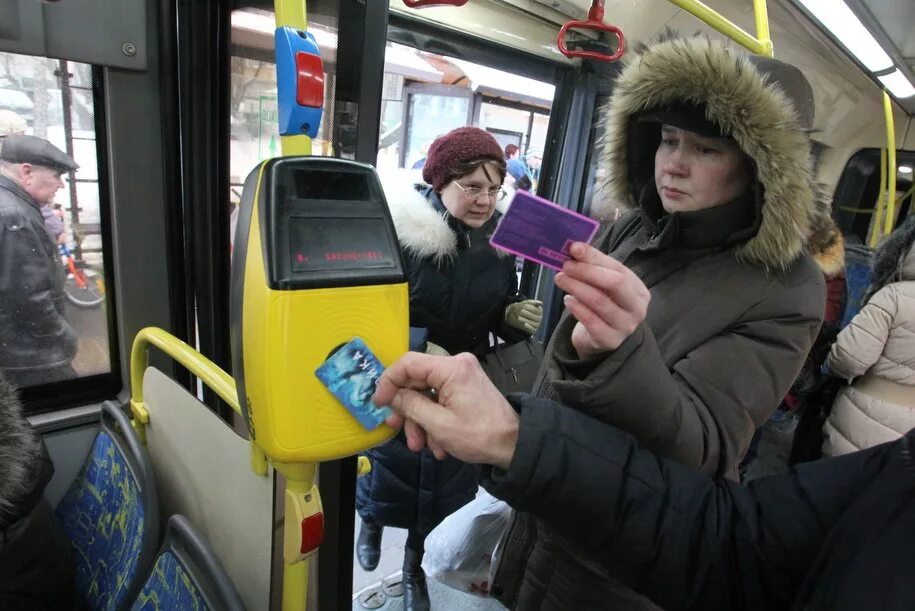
(877, 351)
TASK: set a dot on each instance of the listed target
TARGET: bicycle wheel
(90, 294)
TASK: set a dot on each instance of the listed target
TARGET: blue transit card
(537, 229)
(351, 375)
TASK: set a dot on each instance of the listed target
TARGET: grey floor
(441, 596)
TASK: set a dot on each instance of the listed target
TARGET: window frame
(854, 184)
(94, 388)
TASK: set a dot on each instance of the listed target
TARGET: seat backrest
(859, 260)
(187, 575)
(110, 514)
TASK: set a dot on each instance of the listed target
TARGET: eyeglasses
(474, 193)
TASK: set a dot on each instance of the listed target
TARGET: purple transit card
(537, 229)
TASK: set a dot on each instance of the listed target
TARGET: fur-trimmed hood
(422, 230)
(764, 105)
(20, 449)
(826, 243)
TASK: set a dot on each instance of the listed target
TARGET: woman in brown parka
(876, 351)
(710, 148)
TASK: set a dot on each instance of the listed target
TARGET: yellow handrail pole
(761, 12)
(209, 372)
(299, 483)
(881, 198)
(902, 197)
(293, 13)
(727, 27)
(890, 165)
(299, 478)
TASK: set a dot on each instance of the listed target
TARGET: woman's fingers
(530, 317)
(605, 297)
(602, 336)
(588, 254)
(621, 286)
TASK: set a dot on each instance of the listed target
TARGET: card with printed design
(351, 375)
(539, 230)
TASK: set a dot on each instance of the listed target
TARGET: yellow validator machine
(316, 263)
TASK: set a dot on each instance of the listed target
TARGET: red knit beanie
(456, 147)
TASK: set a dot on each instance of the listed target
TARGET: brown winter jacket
(736, 301)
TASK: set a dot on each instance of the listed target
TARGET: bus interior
(167, 106)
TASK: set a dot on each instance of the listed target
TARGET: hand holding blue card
(537, 229)
(351, 375)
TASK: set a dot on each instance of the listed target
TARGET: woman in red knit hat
(461, 290)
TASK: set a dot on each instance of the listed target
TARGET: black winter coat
(36, 571)
(836, 535)
(34, 332)
(459, 289)
(459, 284)
(406, 489)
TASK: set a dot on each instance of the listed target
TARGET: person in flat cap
(37, 343)
(461, 290)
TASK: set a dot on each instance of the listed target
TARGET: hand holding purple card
(541, 231)
(351, 375)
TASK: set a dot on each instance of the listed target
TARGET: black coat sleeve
(509, 334)
(682, 539)
(25, 284)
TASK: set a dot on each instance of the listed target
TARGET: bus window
(54, 100)
(425, 95)
(858, 192)
(254, 134)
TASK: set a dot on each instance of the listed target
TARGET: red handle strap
(595, 21)
(425, 3)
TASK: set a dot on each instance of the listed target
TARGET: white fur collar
(421, 230)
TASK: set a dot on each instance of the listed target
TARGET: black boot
(415, 594)
(368, 547)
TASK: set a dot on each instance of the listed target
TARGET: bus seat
(111, 516)
(858, 262)
(187, 575)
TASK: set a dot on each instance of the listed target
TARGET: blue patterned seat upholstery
(169, 587)
(858, 263)
(111, 517)
(187, 575)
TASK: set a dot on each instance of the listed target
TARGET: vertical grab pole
(890, 165)
(293, 13)
(881, 198)
(300, 498)
(762, 27)
(299, 478)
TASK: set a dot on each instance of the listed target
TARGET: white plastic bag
(460, 550)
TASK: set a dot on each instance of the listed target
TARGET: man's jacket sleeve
(682, 539)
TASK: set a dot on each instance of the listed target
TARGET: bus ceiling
(857, 26)
(877, 34)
